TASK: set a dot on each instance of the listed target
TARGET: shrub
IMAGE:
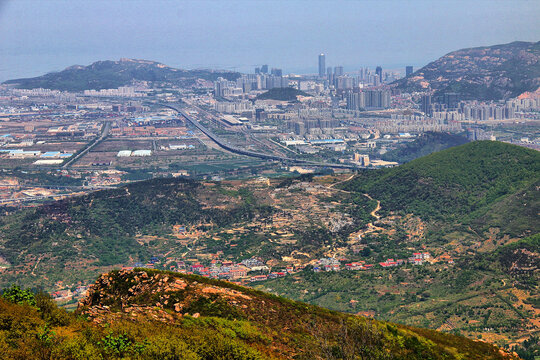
(16, 295)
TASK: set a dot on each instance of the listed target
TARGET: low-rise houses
(419, 258)
(331, 264)
(392, 263)
(258, 278)
(355, 265)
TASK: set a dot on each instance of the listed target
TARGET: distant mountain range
(113, 74)
(483, 73)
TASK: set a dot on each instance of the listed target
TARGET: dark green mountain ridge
(459, 183)
(425, 144)
(283, 94)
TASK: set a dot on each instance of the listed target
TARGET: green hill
(486, 73)
(113, 74)
(91, 232)
(162, 315)
(283, 94)
(457, 184)
(425, 144)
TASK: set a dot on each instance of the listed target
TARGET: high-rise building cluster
(233, 107)
(525, 104)
(446, 102)
(302, 126)
(336, 76)
(248, 82)
(369, 99)
(487, 112)
(449, 107)
(125, 91)
(415, 123)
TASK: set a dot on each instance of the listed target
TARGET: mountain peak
(484, 73)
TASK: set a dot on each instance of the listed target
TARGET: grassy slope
(478, 186)
(256, 325)
(477, 293)
(261, 326)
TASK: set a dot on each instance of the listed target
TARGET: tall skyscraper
(378, 71)
(451, 100)
(322, 65)
(264, 69)
(329, 75)
(408, 70)
(338, 71)
(425, 105)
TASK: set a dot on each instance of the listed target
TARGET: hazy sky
(38, 36)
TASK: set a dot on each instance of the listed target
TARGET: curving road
(239, 151)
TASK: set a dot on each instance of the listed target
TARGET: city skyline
(238, 35)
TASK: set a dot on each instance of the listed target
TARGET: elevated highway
(250, 153)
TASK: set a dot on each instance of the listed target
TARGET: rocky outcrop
(155, 296)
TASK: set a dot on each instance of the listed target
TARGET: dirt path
(35, 266)
(341, 182)
(370, 226)
(374, 212)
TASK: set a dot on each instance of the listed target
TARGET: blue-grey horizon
(43, 36)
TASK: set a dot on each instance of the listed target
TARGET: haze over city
(42, 36)
(252, 180)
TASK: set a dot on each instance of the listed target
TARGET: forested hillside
(459, 184)
(101, 228)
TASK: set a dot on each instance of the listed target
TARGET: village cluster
(253, 269)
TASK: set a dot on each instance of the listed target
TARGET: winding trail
(35, 266)
(370, 226)
(374, 212)
(341, 182)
